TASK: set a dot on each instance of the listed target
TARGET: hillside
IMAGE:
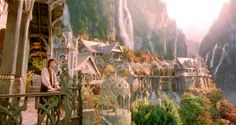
(219, 50)
(139, 25)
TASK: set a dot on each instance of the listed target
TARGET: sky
(194, 17)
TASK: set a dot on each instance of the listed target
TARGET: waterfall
(126, 24)
(206, 58)
(213, 56)
(164, 46)
(153, 98)
(176, 97)
(150, 43)
(175, 44)
(224, 53)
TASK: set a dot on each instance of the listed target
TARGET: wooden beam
(38, 35)
(57, 20)
(37, 26)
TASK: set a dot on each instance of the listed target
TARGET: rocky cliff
(218, 48)
(154, 30)
(138, 24)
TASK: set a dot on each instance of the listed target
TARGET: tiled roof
(187, 62)
(83, 58)
(100, 47)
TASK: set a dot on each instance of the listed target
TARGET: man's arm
(56, 84)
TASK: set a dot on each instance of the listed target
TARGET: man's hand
(50, 89)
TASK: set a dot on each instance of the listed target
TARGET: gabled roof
(113, 47)
(186, 62)
(97, 47)
(84, 58)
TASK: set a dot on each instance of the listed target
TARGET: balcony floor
(30, 115)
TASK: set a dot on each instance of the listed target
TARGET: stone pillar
(22, 57)
(10, 47)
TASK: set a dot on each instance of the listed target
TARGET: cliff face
(139, 24)
(218, 48)
(154, 30)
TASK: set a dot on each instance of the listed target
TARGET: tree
(227, 110)
(194, 110)
(128, 55)
(168, 105)
(90, 17)
(145, 114)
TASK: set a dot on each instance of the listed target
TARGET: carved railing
(73, 99)
(48, 105)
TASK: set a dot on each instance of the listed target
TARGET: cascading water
(175, 43)
(206, 58)
(164, 47)
(213, 55)
(150, 42)
(126, 24)
(224, 54)
(153, 98)
(177, 98)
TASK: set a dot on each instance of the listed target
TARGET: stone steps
(34, 89)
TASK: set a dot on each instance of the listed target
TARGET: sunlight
(194, 14)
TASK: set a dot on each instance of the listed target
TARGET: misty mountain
(137, 24)
(193, 48)
(218, 48)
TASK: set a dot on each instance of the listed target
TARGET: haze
(194, 17)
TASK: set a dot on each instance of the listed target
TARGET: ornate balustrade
(48, 105)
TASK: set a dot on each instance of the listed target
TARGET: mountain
(138, 24)
(154, 30)
(193, 48)
(218, 48)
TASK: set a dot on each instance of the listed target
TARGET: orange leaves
(227, 110)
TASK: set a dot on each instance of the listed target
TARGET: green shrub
(194, 110)
(145, 114)
(169, 106)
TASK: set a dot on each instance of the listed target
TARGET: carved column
(10, 47)
(50, 32)
(22, 57)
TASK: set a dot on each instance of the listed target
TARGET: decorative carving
(9, 77)
(49, 109)
(69, 100)
(10, 112)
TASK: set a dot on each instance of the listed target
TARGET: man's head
(52, 63)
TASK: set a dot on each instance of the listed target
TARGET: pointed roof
(102, 47)
(84, 58)
(112, 47)
(186, 62)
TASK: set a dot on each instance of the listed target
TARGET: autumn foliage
(227, 110)
(138, 57)
(194, 110)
